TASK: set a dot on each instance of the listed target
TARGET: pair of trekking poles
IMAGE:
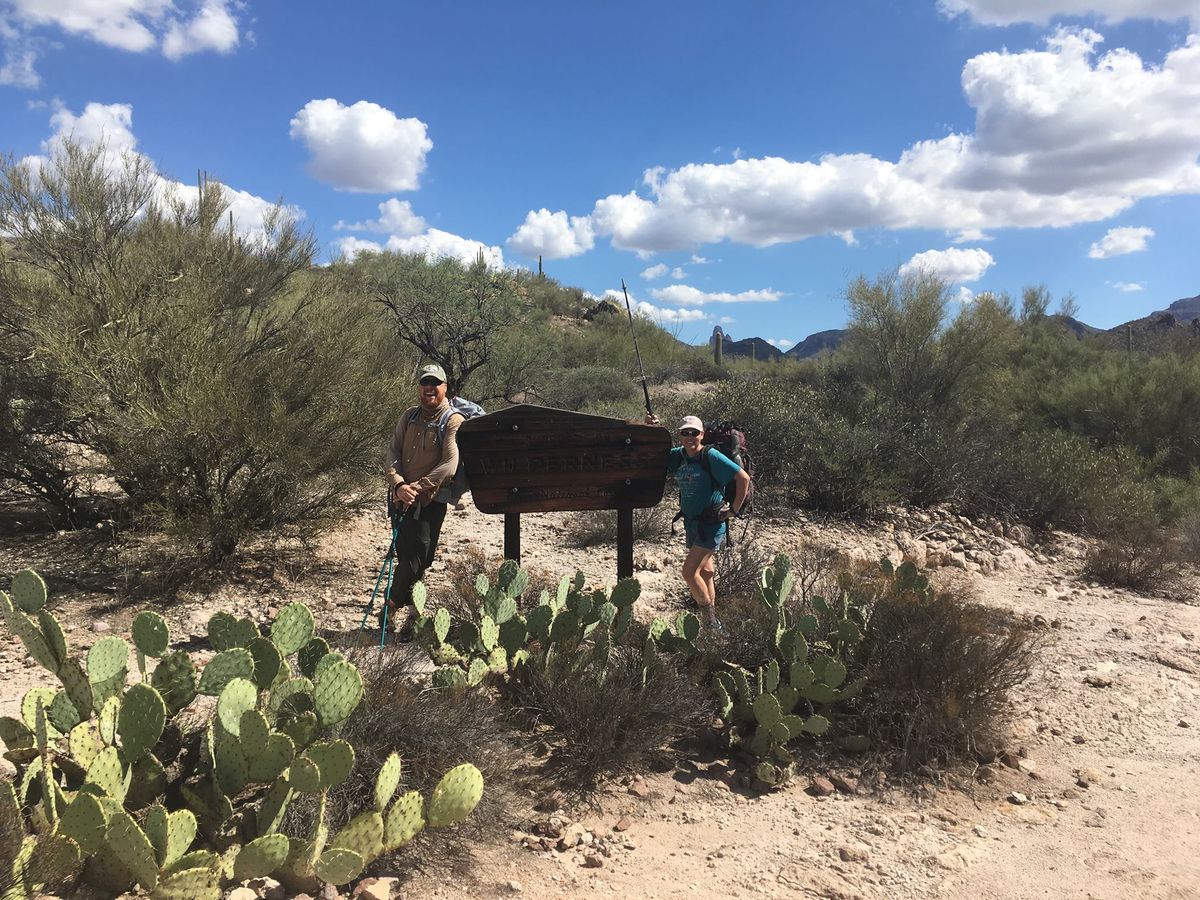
(396, 515)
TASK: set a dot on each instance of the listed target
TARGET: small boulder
(821, 787)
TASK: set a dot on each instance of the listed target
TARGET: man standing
(422, 457)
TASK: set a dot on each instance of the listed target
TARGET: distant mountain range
(1147, 330)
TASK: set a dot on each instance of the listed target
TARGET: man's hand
(405, 494)
(651, 419)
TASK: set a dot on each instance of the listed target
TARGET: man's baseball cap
(690, 422)
(432, 370)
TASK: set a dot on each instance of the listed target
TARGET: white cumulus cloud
(686, 295)
(678, 273)
(1063, 135)
(1008, 12)
(176, 28)
(954, 265)
(395, 217)
(433, 244)
(110, 125)
(1119, 241)
(552, 235)
(362, 147)
(781, 343)
(1127, 286)
(660, 314)
(213, 27)
(653, 272)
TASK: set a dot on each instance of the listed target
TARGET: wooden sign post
(536, 459)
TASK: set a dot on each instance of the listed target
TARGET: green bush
(576, 388)
(223, 384)
(940, 672)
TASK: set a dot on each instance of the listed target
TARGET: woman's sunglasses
(690, 432)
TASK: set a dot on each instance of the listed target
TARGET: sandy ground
(1108, 733)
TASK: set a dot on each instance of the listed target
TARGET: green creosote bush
(222, 383)
(586, 385)
(940, 672)
(95, 752)
(600, 720)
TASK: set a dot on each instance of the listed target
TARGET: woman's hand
(651, 419)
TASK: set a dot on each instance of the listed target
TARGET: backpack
(452, 490)
(731, 441)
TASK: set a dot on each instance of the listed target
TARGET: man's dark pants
(416, 545)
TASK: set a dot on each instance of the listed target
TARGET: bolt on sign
(536, 459)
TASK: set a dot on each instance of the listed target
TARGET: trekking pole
(637, 352)
(387, 566)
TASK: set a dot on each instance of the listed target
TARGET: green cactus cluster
(502, 638)
(115, 788)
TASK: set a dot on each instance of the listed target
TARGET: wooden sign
(537, 459)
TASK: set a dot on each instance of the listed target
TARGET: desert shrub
(940, 670)
(1189, 540)
(226, 388)
(1141, 556)
(465, 565)
(432, 731)
(599, 720)
(594, 527)
(576, 388)
(739, 564)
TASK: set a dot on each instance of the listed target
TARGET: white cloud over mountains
(1119, 241)
(953, 265)
(176, 29)
(362, 147)
(686, 295)
(662, 315)
(1063, 135)
(653, 272)
(552, 235)
(1127, 287)
(1008, 12)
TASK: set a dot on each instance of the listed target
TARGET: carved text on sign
(582, 461)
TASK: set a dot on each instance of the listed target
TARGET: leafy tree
(463, 318)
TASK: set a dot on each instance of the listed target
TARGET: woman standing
(702, 474)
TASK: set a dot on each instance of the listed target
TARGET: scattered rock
(1184, 723)
(375, 888)
(101, 627)
(853, 854)
(572, 837)
(515, 886)
(1017, 798)
(821, 787)
(593, 860)
(623, 824)
(639, 788)
(1098, 681)
(1028, 766)
(986, 774)
(241, 893)
(1079, 739)
(1011, 760)
(844, 784)
(268, 888)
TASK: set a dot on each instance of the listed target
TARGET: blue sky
(736, 163)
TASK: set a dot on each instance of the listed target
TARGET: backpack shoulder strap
(444, 420)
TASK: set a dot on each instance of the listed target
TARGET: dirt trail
(1114, 705)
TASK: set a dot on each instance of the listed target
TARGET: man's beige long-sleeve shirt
(416, 454)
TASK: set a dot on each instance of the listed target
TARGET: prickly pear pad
(387, 781)
(455, 796)
(404, 819)
(141, 720)
(338, 690)
(293, 628)
(150, 634)
(175, 680)
(224, 668)
(338, 865)
(28, 590)
(334, 759)
(260, 857)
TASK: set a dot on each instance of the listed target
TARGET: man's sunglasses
(690, 432)
(429, 382)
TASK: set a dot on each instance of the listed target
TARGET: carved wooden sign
(536, 459)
